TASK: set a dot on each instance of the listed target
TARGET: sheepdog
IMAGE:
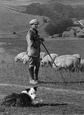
(23, 99)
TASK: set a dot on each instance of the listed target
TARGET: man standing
(33, 50)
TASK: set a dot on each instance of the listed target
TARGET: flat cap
(33, 21)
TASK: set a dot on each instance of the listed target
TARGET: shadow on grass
(49, 104)
(2, 107)
(64, 82)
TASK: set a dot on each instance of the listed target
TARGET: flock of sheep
(67, 62)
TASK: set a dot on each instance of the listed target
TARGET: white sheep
(78, 56)
(66, 61)
(42, 55)
(20, 56)
(47, 59)
(81, 65)
(23, 57)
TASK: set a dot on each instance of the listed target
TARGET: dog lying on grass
(24, 99)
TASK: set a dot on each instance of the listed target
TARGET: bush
(58, 26)
(34, 9)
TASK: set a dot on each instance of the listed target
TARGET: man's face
(34, 26)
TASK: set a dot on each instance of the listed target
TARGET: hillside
(26, 2)
(61, 15)
(13, 21)
(70, 2)
(22, 2)
(15, 18)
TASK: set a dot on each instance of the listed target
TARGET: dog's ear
(27, 89)
(35, 88)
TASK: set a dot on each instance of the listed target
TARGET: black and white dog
(24, 99)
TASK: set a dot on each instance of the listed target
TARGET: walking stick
(53, 61)
(49, 54)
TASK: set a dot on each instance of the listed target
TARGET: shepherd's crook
(49, 54)
(52, 60)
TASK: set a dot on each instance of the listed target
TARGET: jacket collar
(34, 30)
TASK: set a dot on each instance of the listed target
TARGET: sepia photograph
(41, 57)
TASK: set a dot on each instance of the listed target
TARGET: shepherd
(33, 50)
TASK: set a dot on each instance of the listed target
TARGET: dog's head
(31, 92)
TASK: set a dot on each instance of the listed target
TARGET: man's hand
(41, 39)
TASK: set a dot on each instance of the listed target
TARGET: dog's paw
(35, 102)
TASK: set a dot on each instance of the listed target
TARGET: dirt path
(65, 91)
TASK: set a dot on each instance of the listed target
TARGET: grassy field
(62, 92)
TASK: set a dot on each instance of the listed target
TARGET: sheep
(70, 33)
(78, 56)
(23, 57)
(47, 59)
(67, 62)
(19, 56)
(81, 65)
(42, 55)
